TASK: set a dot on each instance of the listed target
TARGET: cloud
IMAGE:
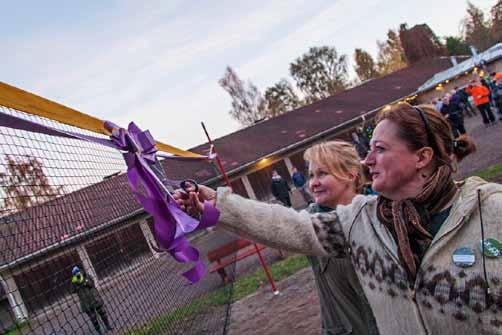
(158, 62)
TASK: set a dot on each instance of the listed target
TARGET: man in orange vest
(481, 96)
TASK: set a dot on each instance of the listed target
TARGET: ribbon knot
(134, 140)
(170, 222)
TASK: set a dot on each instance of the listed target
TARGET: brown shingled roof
(259, 140)
(55, 221)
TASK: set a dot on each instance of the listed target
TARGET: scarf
(406, 219)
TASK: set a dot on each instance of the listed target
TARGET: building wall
(44, 283)
(239, 188)
(461, 81)
(114, 252)
(48, 281)
(6, 318)
(261, 180)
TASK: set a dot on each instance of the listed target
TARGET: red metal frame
(227, 181)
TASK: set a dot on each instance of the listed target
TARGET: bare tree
(390, 54)
(476, 29)
(365, 65)
(320, 73)
(496, 22)
(248, 104)
(25, 184)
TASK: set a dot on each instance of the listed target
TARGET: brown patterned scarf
(406, 218)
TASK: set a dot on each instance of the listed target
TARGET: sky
(158, 63)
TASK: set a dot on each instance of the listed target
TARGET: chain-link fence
(77, 250)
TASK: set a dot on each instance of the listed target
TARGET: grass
(241, 288)
(490, 172)
(16, 328)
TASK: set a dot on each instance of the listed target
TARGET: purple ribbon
(171, 223)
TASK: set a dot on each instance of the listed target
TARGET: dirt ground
(296, 310)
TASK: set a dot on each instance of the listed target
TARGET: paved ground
(151, 288)
(296, 311)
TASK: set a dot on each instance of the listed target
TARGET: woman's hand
(193, 202)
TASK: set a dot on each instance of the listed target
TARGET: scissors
(187, 186)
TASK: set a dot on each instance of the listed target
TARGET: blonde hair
(340, 159)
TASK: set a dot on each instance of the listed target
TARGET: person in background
(481, 96)
(280, 189)
(438, 104)
(497, 93)
(465, 105)
(451, 111)
(335, 177)
(300, 183)
(360, 141)
(90, 299)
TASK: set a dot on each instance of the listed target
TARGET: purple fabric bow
(171, 223)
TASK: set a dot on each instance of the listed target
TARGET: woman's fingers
(195, 203)
(180, 197)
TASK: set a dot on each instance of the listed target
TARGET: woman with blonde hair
(427, 250)
(335, 177)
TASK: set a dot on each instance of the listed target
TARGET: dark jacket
(344, 307)
(497, 91)
(298, 179)
(280, 188)
(87, 293)
(455, 102)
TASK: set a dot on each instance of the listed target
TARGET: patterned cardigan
(444, 299)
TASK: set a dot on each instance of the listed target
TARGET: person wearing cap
(90, 299)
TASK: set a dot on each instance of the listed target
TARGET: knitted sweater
(444, 299)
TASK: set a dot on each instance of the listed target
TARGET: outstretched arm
(273, 225)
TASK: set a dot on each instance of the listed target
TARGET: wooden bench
(231, 253)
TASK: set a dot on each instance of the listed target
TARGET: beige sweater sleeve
(280, 227)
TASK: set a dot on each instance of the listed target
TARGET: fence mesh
(67, 203)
